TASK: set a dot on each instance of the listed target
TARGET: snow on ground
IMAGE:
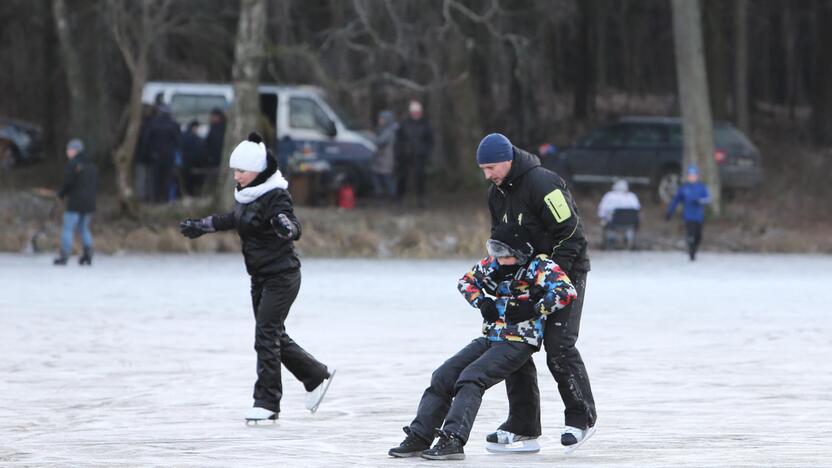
(148, 361)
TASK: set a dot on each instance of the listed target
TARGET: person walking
(264, 218)
(79, 187)
(693, 195)
(524, 192)
(414, 143)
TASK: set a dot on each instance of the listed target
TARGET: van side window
(306, 113)
(187, 107)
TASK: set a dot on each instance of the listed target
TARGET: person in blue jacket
(693, 195)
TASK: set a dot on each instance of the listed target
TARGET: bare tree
(693, 92)
(72, 64)
(245, 110)
(741, 65)
(136, 26)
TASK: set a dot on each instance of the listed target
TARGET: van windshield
(346, 118)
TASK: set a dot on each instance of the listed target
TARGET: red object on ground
(346, 197)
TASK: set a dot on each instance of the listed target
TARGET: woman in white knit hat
(267, 226)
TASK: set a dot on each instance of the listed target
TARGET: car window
(726, 136)
(645, 135)
(609, 135)
(674, 135)
(306, 113)
(187, 107)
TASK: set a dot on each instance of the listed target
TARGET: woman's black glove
(488, 309)
(193, 228)
(519, 311)
(284, 227)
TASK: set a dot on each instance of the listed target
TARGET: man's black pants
(272, 297)
(407, 167)
(565, 364)
(457, 386)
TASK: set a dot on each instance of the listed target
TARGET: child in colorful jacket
(514, 293)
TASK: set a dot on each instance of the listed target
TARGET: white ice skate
(572, 437)
(259, 415)
(509, 442)
(314, 398)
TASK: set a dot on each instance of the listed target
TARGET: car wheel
(668, 186)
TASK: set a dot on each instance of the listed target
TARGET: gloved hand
(193, 228)
(284, 227)
(519, 311)
(488, 309)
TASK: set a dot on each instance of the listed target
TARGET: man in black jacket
(164, 140)
(79, 187)
(528, 194)
(414, 142)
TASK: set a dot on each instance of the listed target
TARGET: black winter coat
(80, 184)
(264, 252)
(213, 144)
(538, 199)
(164, 139)
(414, 139)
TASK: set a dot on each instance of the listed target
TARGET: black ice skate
(61, 260)
(411, 446)
(448, 447)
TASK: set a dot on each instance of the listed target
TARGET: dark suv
(648, 151)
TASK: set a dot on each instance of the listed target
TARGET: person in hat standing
(266, 223)
(514, 292)
(524, 192)
(79, 187)
(414, 143)
(693, 195)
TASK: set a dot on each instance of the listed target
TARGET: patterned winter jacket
(541, 281)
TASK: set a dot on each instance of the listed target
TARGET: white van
(309, 134)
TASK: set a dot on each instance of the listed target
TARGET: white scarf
(249, 194)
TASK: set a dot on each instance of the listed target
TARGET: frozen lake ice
(148, 361)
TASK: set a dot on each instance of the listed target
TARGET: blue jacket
(693, 198)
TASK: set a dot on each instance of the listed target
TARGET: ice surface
(148, 361)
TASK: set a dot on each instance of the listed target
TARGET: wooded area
(536, 70)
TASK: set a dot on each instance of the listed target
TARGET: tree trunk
(245, 109)
(123, 154)
(741, 65)
(72, 65)
(697, 122)
(582, 78)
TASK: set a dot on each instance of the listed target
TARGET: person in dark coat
(693, 195)
(215, 138)
(414, 143)
(528, 194)
(266, 223)
(78, 189)
(193, 157)
(164, 141)
(143, 164)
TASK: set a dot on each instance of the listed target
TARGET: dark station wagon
(647, 151)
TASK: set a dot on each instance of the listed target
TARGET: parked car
(309, 134)
(20, 143)
(647, 151)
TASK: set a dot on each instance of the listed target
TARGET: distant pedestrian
(215, 138)
(79, 187)
(143, 164)
(164, 141)
(693, 195)
(383, 165)
(414, 143)
(193, 158)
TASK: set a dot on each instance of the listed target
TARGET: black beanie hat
(517, 238)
